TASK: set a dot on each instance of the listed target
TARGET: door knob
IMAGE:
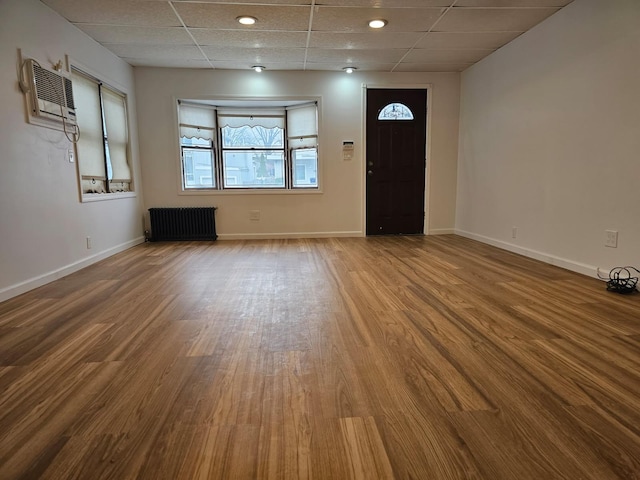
(370, 172)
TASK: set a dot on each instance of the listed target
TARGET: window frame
(217, 149)
(77, 68)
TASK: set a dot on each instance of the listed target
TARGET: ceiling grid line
(189, 33)
(425, 34)
(309, 29)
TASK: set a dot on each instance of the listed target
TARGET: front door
(395, 163)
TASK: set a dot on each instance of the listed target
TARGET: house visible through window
(103, 147)
(240, 147)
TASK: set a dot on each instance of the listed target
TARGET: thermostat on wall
(347, 150)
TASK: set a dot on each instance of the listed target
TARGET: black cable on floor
(621, 280)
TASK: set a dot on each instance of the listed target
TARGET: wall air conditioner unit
(51, 94)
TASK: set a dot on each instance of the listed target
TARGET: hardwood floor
(410, 358)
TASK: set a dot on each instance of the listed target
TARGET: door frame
(427, 185)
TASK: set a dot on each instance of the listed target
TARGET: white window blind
(90, 147)
(302, 126)
(103, 147)
(115, 117)
(240, 117)
(197, 121)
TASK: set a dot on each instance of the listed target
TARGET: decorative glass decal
(395, 111)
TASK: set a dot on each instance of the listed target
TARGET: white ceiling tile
(452, 40)
(116, 12)
(388, 3)
(368, 67)
(368, 40)
(156, 51)
(252, 39)
(167, 63)
(137, 35)
(431, 67)
(513, 3)
(254, 55)
(217, 16)
(348, 19)
(492, 19)
(268, 66)
(247, 2)
(445, 56)
(348, 57)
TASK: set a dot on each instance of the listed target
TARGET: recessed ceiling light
(378, 23)
(247, 20)
(258, 68)
(350, 69)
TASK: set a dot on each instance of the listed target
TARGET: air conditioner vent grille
(50, 95)
(49, 85)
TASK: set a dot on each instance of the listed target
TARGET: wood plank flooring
(426, 358)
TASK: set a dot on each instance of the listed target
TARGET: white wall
(43, 224)
(339, 209)
(550, 139)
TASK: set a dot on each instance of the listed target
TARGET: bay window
(240, 147)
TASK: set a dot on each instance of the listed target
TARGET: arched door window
(395, 111)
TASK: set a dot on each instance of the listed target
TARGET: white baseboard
(441, 231)
(278, 236)
(584, 269)
(23, 287)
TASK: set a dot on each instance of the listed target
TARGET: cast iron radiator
(192, 223)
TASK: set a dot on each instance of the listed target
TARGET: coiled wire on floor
(622, 279)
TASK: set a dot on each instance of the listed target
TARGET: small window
(395, 111)
(197, 133)
(103, 147)
(197, 163)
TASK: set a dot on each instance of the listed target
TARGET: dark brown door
(395, 162)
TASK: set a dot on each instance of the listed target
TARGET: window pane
(305, 168)
(197, 168)
(253, 168)
(395, 111)
(257, 137)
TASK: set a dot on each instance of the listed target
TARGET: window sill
(253, 191)
(100, 197)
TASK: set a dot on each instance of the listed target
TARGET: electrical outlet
(70, 156)
(254, 215)
(514, 232)
(611, 238)
(88, 243)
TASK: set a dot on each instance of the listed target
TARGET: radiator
(193, 223)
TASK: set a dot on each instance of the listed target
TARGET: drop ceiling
(421, 35)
